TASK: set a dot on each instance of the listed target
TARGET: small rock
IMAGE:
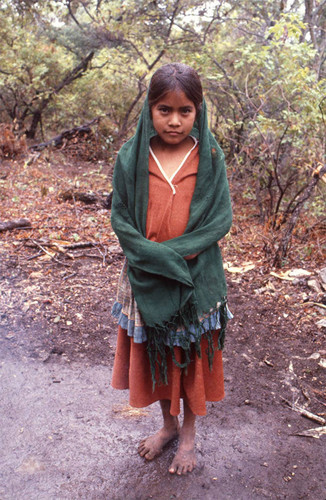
(36, 275)
(322, 363)
(114, 249)
(321, 323)
(31, 465)
(314, 285)
(321, 311)
(322, 275)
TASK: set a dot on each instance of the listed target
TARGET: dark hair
(176, 76)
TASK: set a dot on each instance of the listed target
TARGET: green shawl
(169, 290)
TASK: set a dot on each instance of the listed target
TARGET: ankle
(171, 424)
(188, 433)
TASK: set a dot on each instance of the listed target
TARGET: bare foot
(185, 458)
(152, 446)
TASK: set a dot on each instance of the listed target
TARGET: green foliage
(30, 67)
(266, 105)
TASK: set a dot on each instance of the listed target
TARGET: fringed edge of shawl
(158, 348)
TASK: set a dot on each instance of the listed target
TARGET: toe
(141, 445)
(179, 470)
(142, 450)
(172, 468)
(185, 470)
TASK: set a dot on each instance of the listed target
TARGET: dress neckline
(169, 180)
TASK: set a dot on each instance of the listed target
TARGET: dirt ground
(66, 434)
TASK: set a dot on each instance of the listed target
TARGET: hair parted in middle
(174, 77)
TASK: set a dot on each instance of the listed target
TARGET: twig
(103, 254)
(305, 393)
(74, 200)
(318, 304)
(305, 413)
(48, 253)
(69, 276)
(92, 256)
(35, 255)
(42, 248)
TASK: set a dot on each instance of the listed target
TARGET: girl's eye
(166, 110)
(163, 109)
(186, 111)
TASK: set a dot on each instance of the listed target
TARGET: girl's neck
(159, 146)
(171, 157)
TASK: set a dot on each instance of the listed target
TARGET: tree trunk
(75, 73)
(286, 238)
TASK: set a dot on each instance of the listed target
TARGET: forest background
(66, 64)
(73, 77)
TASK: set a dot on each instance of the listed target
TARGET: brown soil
(55, 317)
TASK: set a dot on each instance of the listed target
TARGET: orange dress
(167, 216)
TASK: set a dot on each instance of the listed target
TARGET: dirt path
(66, 434)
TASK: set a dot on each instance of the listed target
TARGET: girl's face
(173, 117)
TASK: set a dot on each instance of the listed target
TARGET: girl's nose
(174, 119)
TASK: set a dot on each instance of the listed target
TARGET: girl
(170, 206)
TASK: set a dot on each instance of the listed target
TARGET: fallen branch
(89, 198)
(317, 432)
(61, 247)
(57, 141)
(14, 224)
(305, 413)
(86, 244)
(114, 250)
